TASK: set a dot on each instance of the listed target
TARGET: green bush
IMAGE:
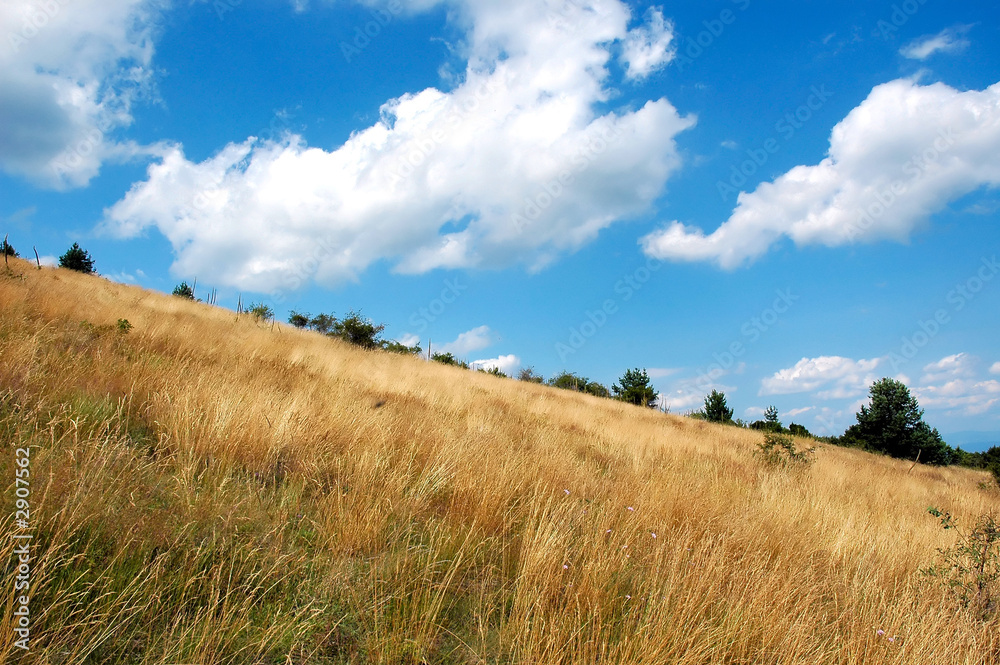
(716, 409)
(261, 312)
(971, 569)
(449, 359)
(183, 290)
(779, 450)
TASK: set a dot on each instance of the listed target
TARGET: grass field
(208, 489)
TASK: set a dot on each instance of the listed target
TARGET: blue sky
(785, 201)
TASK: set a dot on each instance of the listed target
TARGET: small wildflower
(628, 597)
(565, 566)
(567, 492)
(880, 632)
(653, 534)
(630, 509)
(892, 639)
(608, 531)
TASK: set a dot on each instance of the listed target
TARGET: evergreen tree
(892, 423)
(716, 409)
(635, 387)
(184, 290)
(77, 258)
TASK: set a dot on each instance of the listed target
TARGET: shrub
(124, 326)
(261, 312)
(449, 359)
(77, 258)
(393, 346)
(7, 250)
(528, 374)
(357, 330)
(183, 290)
(298, 320)
(779, 450)
(971, 569)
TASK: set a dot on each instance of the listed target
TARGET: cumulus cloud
(70, 73)
(468, 342)
(506, 364)
(960, 365)
(902, 155)
(408, 339)
(952, 384)
(950, 40)
(648, 47)
(517, 164)
(995, 369)
(839, 378)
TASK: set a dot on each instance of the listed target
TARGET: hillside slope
(204, 489)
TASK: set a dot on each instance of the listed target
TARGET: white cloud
(950, 40)
(965, 397)
(664, 372)
(515, 165)
(69, 75)
(960, 365)
(690, 395)
(506, 364)
(468, 342)
(995, 369)
(798, 412)
(840, 378)
(647, 48)
(902, 155)
(409, 339)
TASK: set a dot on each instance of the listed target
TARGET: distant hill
(973, 442)
(205, 487)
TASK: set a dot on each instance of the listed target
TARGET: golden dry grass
(209, 490)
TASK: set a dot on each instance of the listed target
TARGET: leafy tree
(568, 381)
(716, 409)
(77, 259)
(322, 323)
(358, 330)
(298, 320)
(597, 389)
(798, 430)
(449, 359)
(635, 387)
(7, 250)
(183, 290)
(393, 346)
(528, 374)
(892, 423)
